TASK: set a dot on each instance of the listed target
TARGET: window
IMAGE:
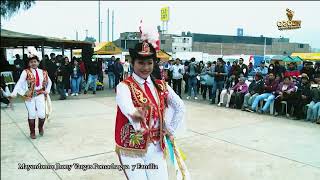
(163, 41)
(301, 45)
(184, 49)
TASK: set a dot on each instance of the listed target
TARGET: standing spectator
(239, 90)
(177, 75)
(76, 77)
(262, 69)
(20, 65)
(270, 87)
(83, 73)
(169, 72)
(292, 70)
(243, 68)
(60, 80)
(235, 69)
(285, 92)
(302, 97)
(255, 89)
(93, 70)
(200, 66)
(126, 67)
(67, 74)
(111, 76)
(220, 73)
(51, 67)
(192, 73)
(208, 72)
(186, 77)
(228, 90)
(100, 70)
(118, 71)
(228, 65)
(250, 68)
(313, 112)
(156, 73)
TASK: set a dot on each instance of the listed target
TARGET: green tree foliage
(10, 7)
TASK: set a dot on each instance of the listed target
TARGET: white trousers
(225, 93)
(154, 155)
(36, 107)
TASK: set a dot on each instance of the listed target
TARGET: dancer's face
(33, 63)
(143, 68)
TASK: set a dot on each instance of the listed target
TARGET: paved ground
(220, 143)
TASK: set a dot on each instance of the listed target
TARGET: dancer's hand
(138, 115)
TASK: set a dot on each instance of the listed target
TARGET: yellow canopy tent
(308, 56)
(162, 55)
(103, 48)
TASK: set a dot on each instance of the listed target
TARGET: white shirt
(126, 66)
(124, 101)
(22, 84)
(175, 71)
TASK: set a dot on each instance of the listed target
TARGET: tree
(90, 39)
(9, 7)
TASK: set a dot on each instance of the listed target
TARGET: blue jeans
(75, 84)
(270, 98)
(217, 85)
(192, 81)
(92, 79)
(313, 111)
(111, 78)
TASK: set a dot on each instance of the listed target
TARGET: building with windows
(219, 44)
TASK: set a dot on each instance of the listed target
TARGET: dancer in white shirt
(141, 128)
(34, 85)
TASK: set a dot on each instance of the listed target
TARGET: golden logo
(290, 24)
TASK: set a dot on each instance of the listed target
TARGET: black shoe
(62, 98)
(94, 92)
(85, 92)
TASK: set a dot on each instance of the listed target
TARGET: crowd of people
(258, 89)
(261, 89)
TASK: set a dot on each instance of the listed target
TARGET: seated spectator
(270, 87)
(302, 97)
(285, 92)
(262, 69)
(308, 69)
(313, 112)
(279, 70)
(230, 83)
(292, 70)
(271, 69)
(4, 92)
(239, 90)
(255, 89)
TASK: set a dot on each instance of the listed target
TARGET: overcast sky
(63, 18)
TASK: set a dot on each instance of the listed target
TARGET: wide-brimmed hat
(143, 50)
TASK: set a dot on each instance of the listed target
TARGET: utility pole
(108, 25)
(112, 25)
(77, 35)
(99, 21)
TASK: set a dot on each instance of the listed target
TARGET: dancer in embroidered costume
(142, 133)
(34, 85)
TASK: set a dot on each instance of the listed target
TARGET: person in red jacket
(292, 70)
